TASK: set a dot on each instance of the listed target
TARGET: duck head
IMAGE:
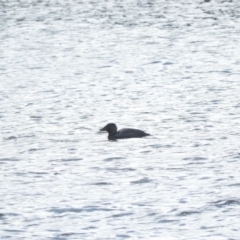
(111, 128)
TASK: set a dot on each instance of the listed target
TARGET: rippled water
(171, 68)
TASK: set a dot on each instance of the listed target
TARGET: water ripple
(168, 67)
(79, 210)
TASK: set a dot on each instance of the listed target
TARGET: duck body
(113, 134)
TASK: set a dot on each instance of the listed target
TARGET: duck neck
(112, 133)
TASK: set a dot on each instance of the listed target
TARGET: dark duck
(113, 134)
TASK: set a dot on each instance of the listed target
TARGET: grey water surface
(168, 67)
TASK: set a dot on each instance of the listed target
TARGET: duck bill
(103, 129)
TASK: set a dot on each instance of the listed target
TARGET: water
(171, 68)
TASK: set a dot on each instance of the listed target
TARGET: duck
(113, 134)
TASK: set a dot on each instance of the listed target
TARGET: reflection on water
(169, 67)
